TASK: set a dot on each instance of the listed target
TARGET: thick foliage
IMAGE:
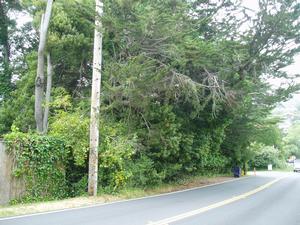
(73, 129)
(265, 155)
(40, 161)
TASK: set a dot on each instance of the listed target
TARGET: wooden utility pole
(40, 76)
(95, 102)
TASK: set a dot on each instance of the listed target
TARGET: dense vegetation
(184, 90)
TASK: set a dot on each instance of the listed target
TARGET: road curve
(276, 204)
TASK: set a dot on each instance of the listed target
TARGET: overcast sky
(288, 109)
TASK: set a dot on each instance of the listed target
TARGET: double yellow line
(182, 216)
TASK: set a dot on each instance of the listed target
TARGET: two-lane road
(268, 198)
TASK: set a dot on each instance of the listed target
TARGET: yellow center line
(213, 206)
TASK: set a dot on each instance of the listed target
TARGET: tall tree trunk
(95, 102)
(39, 83)
(40, 77)
(48, 93)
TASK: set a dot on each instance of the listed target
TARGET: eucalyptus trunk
(40, 77)
(48, 93)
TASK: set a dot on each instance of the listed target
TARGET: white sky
(288, 109)
(293, 69)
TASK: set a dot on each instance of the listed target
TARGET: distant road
(266, 199)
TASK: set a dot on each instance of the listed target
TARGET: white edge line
(120, 201)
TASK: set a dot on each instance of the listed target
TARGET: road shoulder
(125, 195)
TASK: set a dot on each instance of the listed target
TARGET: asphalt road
(259, 200)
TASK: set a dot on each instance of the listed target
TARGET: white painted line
(213, 206)
(122, 201)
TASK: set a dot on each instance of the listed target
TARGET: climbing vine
(39, 161)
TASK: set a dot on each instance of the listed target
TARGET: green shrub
(73, 128)
(116, 148)
(80, 187)
(143, 172)
(161, 143)
(267, 155)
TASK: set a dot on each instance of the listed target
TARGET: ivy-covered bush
(40, 162)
